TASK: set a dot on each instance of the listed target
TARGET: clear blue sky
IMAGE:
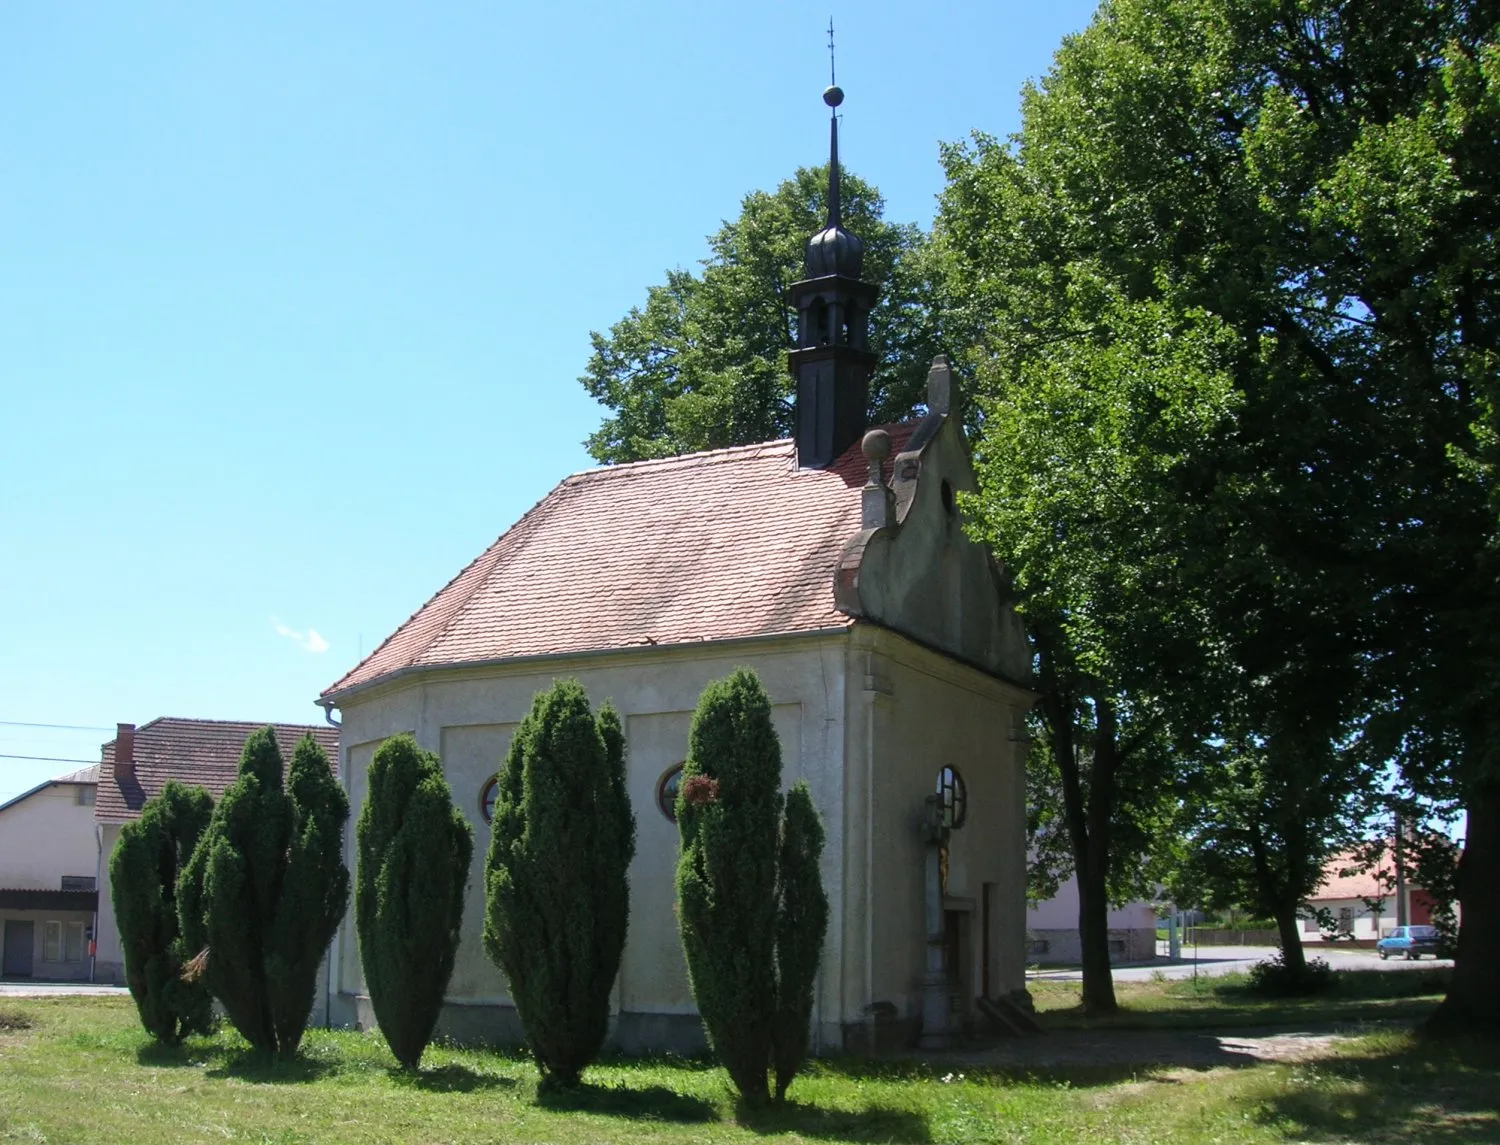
(293, 298)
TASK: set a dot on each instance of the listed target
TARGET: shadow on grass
(452, 1078)
(1072, 1063)
(875, 1123)
(650, 1103)
(1425, 1093)
(256, 1066)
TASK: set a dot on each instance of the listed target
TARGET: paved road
(1237, 959)
(23, 989)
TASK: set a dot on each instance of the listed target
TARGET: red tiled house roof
(726, 544)
(1342, 879)
(201, 752)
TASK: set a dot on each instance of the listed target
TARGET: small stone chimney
(124, 751)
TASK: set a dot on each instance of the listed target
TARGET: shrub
(557, 900)
(1274, 978)
(751, 906)
(266, 889)
(414, 849)
(143, 873)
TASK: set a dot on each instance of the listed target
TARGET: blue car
(1412, 941)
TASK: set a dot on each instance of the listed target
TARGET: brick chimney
(124, 751)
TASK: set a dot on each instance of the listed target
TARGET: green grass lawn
(1225, 1002)
(80, 1070)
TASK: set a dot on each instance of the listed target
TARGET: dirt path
(1191, 1048)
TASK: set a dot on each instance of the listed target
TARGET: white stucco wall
(468, 717)
(1060, 912)
(45, 836)
(915, 712)
(865, 716)
(109, 964)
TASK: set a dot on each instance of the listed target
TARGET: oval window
(953, 797)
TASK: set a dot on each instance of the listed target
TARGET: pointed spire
(834, 250)
(833, 97)
(832, 360)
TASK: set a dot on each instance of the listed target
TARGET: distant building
(1052, 929)
(49, 859)
(139, 761)
(1363, 904)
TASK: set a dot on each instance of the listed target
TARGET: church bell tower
(832, 359)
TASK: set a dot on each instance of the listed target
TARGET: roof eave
(335, 697)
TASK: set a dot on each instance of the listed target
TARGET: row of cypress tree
(238, 902)
(235, 901)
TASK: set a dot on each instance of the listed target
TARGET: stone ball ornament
(833, 95)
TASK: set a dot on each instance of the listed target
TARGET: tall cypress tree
(728, 810)
(751, 907)
(556, 894)
(265, 890)
(414, 849)
(143, 874)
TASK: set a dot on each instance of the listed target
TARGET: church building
(835, 565)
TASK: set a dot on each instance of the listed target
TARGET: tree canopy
(1233, 291)
(703, 363)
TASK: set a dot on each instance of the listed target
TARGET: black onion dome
(834, 250)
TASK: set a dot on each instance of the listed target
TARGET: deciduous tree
(703, 363)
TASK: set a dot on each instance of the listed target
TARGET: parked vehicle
(1412, 941)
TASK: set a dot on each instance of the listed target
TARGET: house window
(78, 882)
(73, 942)
(666, 791)
(1039, 946)
(52, 941)
(1309, 926)
(1117, 946)
(85, 795)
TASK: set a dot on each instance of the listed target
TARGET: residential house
(1052, 929)
(137, 763)
(1363, 904)
(49, 860)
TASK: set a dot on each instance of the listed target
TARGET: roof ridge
(247, 723)
(723, 453)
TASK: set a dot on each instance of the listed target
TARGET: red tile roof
(201, 752)
(1343, 880)
(719, 545)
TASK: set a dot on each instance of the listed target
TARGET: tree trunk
(1293, 957)
(1473, 1001)
(1093, 932)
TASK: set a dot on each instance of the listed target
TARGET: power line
(47, 758)
(58, 727)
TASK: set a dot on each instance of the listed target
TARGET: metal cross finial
(832, 78)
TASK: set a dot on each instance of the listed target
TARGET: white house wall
(45, 836)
